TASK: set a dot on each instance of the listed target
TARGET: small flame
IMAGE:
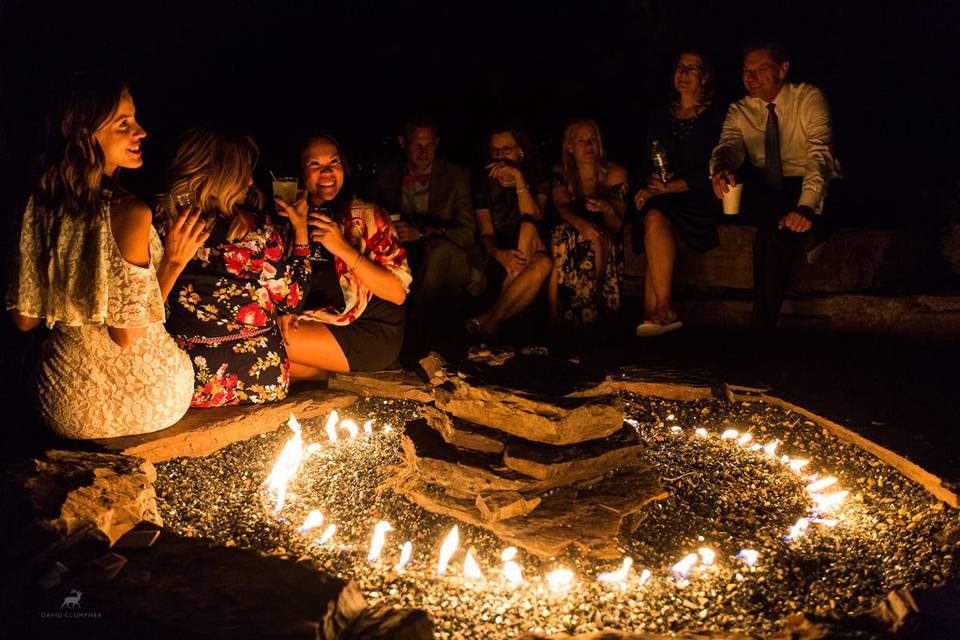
(827, 522)
(405, 551)
(313, 447)
(512, 572)
(701, 432)
(327, 534)
(756, 447)
(671, 417)
(447, 549)
(683, 567)
(331, 427)
(619, 575)
(798, 529)
(387, 428)
(351, 428)
(631, 422)
(828, 502)
(471, 570)
(797, 464)
(314, 520)
(744, 439)
(644, 577)
(821, 484)
(707, 555)
(560, 578)
(676, 429)
(785, 459)
(748, 556)
(771, 448)
(729, 434)
(379, 534)
(508, 554)
(286, 466)
(368, 427)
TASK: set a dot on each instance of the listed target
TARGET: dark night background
(284, 68)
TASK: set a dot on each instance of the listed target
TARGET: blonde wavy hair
(569, 163)
(216, 168)
(72, 167)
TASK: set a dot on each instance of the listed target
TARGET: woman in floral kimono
(225, 306)
(354, 317)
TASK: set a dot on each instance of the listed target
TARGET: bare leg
(661, 250)
(313, 349)
(519, 294)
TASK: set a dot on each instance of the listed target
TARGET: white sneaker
(650, 329)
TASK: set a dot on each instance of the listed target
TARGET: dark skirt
(694, 216)
(372, 342)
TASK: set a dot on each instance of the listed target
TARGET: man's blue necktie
(772, 168)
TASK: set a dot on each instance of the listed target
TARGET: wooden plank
(202, 431)
(933, 484)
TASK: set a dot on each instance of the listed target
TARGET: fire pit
(766, 515)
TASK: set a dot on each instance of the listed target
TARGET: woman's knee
(655, 219)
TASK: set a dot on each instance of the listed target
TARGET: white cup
(731, 200)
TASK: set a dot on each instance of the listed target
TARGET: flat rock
(575, 461)
(504, 505)
(461, 433)
(464, 472)
(203, 431)
(64, 493)
(587, 517)
(661, 382)
(382, 622)
(188, 588)
(399, 385)
(561, 421)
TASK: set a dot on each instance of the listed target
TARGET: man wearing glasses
(778, 142)
(430, 203)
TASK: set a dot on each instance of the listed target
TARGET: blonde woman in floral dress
(227, 306)
(92, 267)
(588, 194)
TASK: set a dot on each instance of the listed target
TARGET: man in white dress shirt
(784, 130)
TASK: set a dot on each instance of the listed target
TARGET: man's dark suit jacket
(451, 204)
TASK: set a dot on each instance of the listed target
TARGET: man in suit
(430, 202)
(779, 141)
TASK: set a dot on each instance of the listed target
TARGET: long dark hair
(72, 166)
(341, 202)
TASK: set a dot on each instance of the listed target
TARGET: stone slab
(576, 461)
(203, 431)
(463, 434)
(398, 385)
(64, 493)
(563, 421)
(587, 518)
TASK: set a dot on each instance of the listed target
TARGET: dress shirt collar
(785, 95)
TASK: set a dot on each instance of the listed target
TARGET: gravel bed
(723, 496)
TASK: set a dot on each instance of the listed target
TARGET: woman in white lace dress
(92, 267)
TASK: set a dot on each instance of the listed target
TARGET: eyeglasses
(758, 70)
(688, 68)
(500, 152)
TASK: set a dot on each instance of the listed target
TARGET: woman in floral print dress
(225, 307)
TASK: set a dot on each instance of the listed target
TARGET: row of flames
(294, 452)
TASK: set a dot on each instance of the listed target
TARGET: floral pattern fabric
(223, 312)
(367, 228)
(581, 298)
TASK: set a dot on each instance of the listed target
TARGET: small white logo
(72, 602)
